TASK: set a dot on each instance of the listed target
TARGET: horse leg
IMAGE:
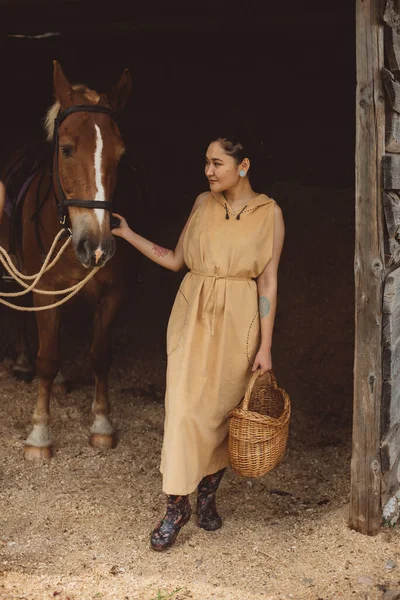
(102, 431)
(38, 445)
(23, 367)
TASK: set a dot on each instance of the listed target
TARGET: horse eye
(66, 151)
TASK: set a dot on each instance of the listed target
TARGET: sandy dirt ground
(77, 527)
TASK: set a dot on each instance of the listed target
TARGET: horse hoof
(102, 440)
(37, 454)
(25, 375)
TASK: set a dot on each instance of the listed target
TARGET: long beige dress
(213, 336)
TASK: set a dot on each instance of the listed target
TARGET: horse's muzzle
(91, 254)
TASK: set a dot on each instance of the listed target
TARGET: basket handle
(251, 383)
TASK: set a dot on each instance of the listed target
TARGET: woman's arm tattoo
(160, 251)
(264, 306)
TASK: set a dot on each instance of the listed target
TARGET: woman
(219, 330)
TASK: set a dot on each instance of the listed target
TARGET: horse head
(87, 149)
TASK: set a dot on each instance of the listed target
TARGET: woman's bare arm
(170, 259)
(267, 285)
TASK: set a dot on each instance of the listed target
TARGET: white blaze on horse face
(100, 192)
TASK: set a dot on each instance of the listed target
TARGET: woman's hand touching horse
(122, 228)
(162, 256)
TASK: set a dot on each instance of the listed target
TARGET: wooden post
(365, 496)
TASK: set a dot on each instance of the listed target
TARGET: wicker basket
(259, 427)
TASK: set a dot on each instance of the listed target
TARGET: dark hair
(241, 145)
(233, 147)
(241, 136)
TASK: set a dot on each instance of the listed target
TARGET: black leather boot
(208, 518)
(178, 514)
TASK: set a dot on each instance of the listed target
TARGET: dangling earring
(242, 173)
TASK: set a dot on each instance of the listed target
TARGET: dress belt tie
(213, 288)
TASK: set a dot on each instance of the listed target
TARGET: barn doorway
(284, 71)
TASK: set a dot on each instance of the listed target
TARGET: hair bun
(245, 132)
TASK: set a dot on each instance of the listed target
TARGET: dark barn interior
(279, 70)
(287, 69)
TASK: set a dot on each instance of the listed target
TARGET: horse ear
(121, 91)
(62, 86)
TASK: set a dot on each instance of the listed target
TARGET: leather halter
(62, 201)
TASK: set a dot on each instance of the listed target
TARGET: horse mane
(89, 97)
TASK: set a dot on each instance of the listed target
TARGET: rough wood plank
(392, 253)
(391, 310)
(390, 448)
(392, 88)
(391, 366)
(391, 296)
(391, 171)
(365, 500)
(391, 15)
(392, 48)
(390, 404)
(392, 131)
(391, 482)
(391, 330)
(390, 413)
(391, 206)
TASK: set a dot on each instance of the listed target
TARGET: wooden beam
(365, 493)
(69, 17)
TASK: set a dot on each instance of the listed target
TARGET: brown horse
(74, 191)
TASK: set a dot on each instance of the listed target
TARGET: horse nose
(83, 252)
(90, 255)
(98, 255)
